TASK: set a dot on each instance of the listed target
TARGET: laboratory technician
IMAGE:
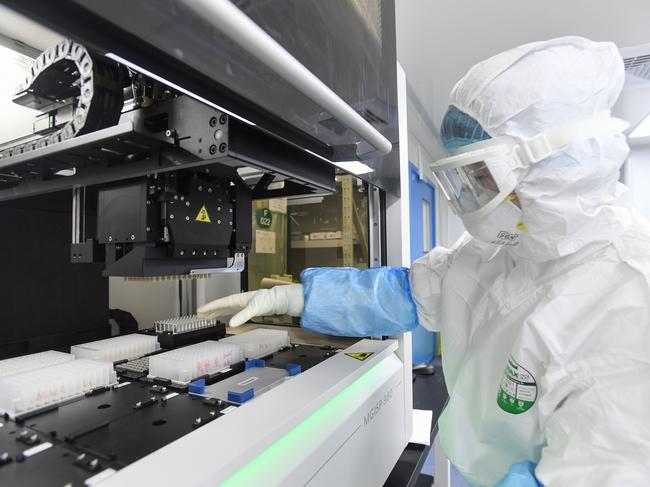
(544, 304)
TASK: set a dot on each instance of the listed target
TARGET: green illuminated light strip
(284, 451)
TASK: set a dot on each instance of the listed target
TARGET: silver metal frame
(18, 46)
(235, 264)
(187, 297)
(188, 292)
(233, 23)
(78, 214)
(375, 244)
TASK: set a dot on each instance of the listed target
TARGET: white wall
(633, 104)
(20, 28)
(15, 121)
(439, 40)
(424, 147)
(639, 175)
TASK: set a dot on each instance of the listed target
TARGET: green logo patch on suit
(518, 390)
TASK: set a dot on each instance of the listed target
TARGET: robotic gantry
(159, 166)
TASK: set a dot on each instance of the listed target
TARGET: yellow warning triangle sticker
(203, 216)
(360, 355)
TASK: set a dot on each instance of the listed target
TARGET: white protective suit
(546, 345)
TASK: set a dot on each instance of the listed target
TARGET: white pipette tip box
(33, 361)
(184, 364)
(117, 348)
(259, 342)
(24, 392)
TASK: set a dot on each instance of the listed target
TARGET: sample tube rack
(26, 391)
(117, 348)
(184, 364)
(33, 361)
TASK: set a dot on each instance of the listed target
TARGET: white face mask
(502, 226)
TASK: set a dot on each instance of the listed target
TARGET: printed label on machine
(359, 355)
(203, 215)
(264, 218)
(264, 242)
(247, 381)
(278, 205)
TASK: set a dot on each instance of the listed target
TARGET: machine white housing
(324, 427)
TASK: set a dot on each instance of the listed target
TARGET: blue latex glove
(521, 474)
(344, 301)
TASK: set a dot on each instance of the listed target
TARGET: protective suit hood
(572, 198)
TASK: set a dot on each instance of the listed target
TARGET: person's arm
(599, 434)
(426, 283)
(353, 302)
(378, 301)
(331, 300)
(595, 391)
(347, 301)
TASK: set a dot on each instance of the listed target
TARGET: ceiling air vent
(638, 66)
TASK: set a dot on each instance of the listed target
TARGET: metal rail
(238, 27)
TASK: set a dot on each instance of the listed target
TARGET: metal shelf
(319, 244)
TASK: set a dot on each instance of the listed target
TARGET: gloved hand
(521, 474)
(278, 300)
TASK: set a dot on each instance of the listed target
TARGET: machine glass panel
(292, 234)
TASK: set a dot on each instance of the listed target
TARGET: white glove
(279, 300)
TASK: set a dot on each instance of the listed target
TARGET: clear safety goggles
(478, 177)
